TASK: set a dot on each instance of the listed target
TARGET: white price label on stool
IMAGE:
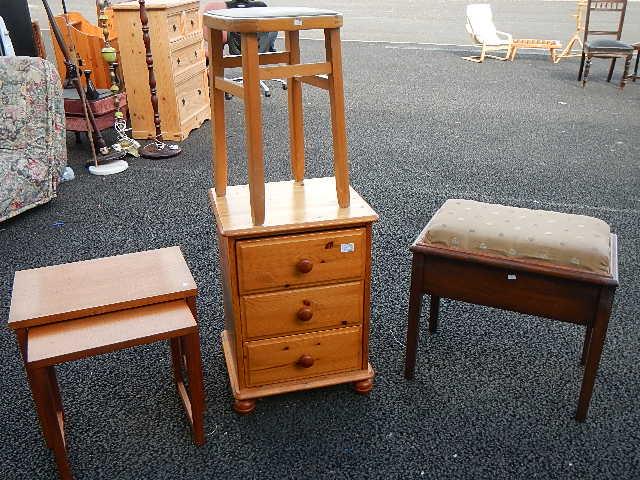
(297, 22)
(511, 276)
(347, 247)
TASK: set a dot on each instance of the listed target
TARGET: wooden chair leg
(581, 69)
(434, 309)
(594, 352)
(625, 73)
(587, 66)
(611, 67)
(415, 307)
(196, 387)
(43, 397)
(635, 70)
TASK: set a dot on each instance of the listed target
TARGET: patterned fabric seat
(574, 241)
(33, 150)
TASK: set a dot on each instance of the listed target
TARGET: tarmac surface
(495, 392)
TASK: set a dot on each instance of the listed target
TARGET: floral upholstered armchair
(33, 152)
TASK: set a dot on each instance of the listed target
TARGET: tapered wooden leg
(333, 50)
(611, 67)
(434, 309)
(415, 306)
(585, 345)
(625, 73)
(43, 397)
(296, 119)
(218, 129)
(594, 352)
(196, 387)
(587, 66)
(581, 69)
(253, 125)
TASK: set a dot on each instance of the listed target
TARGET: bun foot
(244, 407)
(363, 386)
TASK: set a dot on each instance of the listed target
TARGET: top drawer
(284, 262)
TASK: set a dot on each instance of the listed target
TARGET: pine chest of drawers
(296, 290)
(175, 28)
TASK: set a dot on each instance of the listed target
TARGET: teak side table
(295, 255)
(78, 310)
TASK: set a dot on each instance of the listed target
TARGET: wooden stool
(78, 310)
(549, 264)
(326, 75)
(551, 45)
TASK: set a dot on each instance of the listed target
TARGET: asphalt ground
(495, 392)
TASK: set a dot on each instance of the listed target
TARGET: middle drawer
(303, 309)
(285, 262)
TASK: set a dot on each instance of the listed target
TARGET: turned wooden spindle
(158, 148)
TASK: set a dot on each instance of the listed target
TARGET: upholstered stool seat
(573, 241)
(554, 265)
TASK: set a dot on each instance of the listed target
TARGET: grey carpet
(495, 392)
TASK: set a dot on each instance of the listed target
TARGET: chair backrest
(480, 23)
(616, 9)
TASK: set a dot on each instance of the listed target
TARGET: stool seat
(266, 19)
(575, 241)
(74, 339)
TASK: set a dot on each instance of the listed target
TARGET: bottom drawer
(302, 356)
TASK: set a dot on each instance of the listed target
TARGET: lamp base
(112, 156)
(151, 150)
(109, 168)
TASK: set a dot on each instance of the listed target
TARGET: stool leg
(415, 306)
(253, 125)
(219, 142)
(176, 359)
(333, 51)
(594, 352)
(296, 119)
(43, 397)
(434, 309)
(585, 345)
(196, 387)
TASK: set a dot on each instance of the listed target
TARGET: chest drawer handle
(304, 314)
(305, 361)
(305, 265)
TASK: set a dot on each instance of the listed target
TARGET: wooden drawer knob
(305, 361)
(304, 314)
(305, 265)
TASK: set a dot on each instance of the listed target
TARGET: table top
(289, 207)
(91, 287)
(271, 19)
(73, 339)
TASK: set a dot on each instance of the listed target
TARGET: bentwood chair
(605, 11)
(484, 33)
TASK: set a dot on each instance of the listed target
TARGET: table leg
(218, 129)
(253, 125)
(333, 50)
(594, 352)
(196, 387)
(296, 119)
(43, 397)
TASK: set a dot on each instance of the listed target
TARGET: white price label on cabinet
(347, 247)
(297, 22)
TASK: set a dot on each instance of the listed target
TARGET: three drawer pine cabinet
(296, 290)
